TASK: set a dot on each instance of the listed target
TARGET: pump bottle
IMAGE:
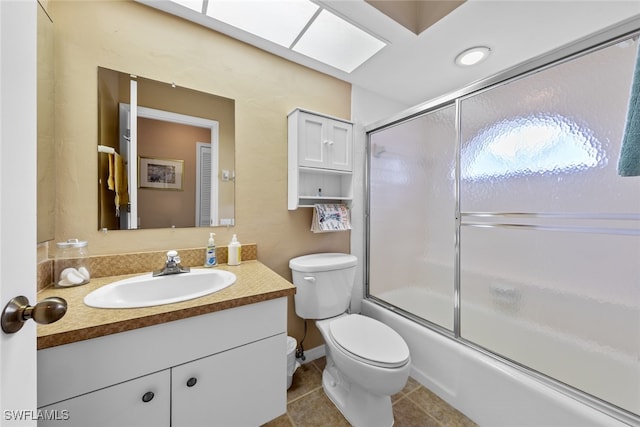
(234, 251)
(210, 259)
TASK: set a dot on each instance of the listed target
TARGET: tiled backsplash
(132, 263)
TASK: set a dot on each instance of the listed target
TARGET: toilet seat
(369, 341)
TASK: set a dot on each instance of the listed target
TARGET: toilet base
(359, 406)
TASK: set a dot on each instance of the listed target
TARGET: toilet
(367, 361)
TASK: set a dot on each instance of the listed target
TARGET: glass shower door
(412, 215)
(550, 234)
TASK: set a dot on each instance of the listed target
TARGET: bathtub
(487, 390)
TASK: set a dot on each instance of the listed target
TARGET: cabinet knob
(147, 397)
(192, 381)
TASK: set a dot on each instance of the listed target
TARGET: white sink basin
(147, 291)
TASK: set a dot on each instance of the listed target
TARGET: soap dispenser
(234, 251)
(210, 259)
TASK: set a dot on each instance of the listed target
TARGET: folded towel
(330, 217)
(629, 162)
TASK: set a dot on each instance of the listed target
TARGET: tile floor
(308, 406)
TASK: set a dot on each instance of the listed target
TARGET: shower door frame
(599, 40)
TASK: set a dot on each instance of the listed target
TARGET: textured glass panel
(564, 303)
(550, 142)
(550, 235)
(412, 215)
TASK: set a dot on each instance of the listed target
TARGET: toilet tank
(323, 284)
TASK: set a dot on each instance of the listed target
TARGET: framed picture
(163, 174)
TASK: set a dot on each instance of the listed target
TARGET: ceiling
(419, 66)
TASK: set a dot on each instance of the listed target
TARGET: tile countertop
(255, 282)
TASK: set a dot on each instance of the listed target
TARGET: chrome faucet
(172, 266)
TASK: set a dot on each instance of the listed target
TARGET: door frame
(169, 116)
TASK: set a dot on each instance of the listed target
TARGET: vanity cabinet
(223, 368)
(320, 159)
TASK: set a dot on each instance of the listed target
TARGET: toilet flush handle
(310, 279)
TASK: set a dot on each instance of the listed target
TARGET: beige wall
(130, 37)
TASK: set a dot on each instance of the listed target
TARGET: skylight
(191, 4)
(336, 42)
(300, 25)
(274, 20)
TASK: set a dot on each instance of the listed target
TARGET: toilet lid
(322, 262)
(370, 340)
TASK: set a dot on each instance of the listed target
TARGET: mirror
(46, 154)
(166, 155)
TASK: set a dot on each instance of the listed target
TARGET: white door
(124, 132)
(18, 205)
(128, 141)
(206, 187)
(132, 155)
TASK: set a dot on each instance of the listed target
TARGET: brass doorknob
(18, 311)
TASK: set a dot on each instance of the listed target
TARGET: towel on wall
(629, 162)
(330, 217)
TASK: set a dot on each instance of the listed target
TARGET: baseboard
(313, 354)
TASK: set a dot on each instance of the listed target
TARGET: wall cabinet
(226, 368)
(320, 159)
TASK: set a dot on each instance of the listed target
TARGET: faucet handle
(172, 256)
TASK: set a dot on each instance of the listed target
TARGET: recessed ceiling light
(472, 56)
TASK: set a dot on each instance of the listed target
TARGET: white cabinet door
(339, 151)
(144, 401)
(244, 386)
(312, 140)
(324, 142)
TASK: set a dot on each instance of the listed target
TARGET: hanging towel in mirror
(629, 162)
(121, 183)
(111, 183)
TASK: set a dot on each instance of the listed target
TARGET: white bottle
(210, 259)
(234, 251)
